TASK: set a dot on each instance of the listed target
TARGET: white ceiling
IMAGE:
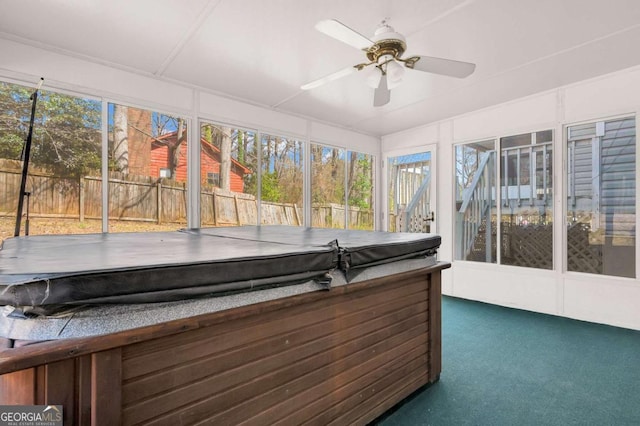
(261, 51)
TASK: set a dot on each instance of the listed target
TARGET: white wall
(602, 299)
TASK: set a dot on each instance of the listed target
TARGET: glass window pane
(527, 201)
(360, 190)
(476, 208)
(228, 179)
(147, 170)
(282, 179)
(515, 141)
(544, 136)
(64, 177)
(409, 194)
(601, 202)
(327, 187)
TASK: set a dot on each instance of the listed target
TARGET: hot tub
(254, 325)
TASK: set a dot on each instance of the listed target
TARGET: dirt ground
(44, 226)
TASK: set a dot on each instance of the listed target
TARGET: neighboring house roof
(170, 139)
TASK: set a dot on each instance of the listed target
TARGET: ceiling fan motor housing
(386, 42)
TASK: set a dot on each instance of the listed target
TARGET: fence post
(235, 203)
(215, 214)
(81, 200)
(159, 198)
(295, 214)
(331, 214)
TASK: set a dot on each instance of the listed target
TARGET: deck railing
(476, 208)
(416, 216)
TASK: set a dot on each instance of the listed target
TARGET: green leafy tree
(270, 188)
(282, 175)
(66, 137)
(360, 181)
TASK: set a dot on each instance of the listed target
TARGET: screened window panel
(476, 204)
(526, 190)
(64, 182)
(228, 176)
(328, 195)
(360, 179)
(145, 145)
(601, 201)
(282, 177)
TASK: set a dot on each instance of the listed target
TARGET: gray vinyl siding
(582, 168)
(618, 167)
(582, 131)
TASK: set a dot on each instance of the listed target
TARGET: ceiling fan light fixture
(395, 73)
(372, 76)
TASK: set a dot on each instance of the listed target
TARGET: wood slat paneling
(375, 406)
(238, 404)
(59, 384)
(159, 354)
(367, 367)
(265, 370)
(106, 381)
(83, 391)
(18, 388)
(345, 398)
(260, 351)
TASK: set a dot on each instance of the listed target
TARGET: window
(526, 228)
(341, 188)
(601, 201)
(282, 181)
(360, 179)
(213, 179)
(476, 206)
(228, 166)
(327, 186)
(65, 162)
(524, 202)
(141, 144)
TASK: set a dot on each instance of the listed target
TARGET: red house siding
(139, 143)
(208, 164)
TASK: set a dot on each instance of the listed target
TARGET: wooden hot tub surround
(342, 356)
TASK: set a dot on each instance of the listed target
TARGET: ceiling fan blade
(441, 66)
(336, 75)
(382, 95)
(341, 32)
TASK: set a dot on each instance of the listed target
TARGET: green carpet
(504, 366)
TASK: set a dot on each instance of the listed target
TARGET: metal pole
(26, 222)
(25, 166)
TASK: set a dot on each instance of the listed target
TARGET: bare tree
(225, 159)
(353, 165)
(174, 151)
(120, 138)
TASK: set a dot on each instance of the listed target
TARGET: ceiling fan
(384, 53)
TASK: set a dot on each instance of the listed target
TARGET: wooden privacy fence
(333, 216)
(146, 199)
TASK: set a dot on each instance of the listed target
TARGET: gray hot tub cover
(43, 274)
(358, 249)
(49, 271)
